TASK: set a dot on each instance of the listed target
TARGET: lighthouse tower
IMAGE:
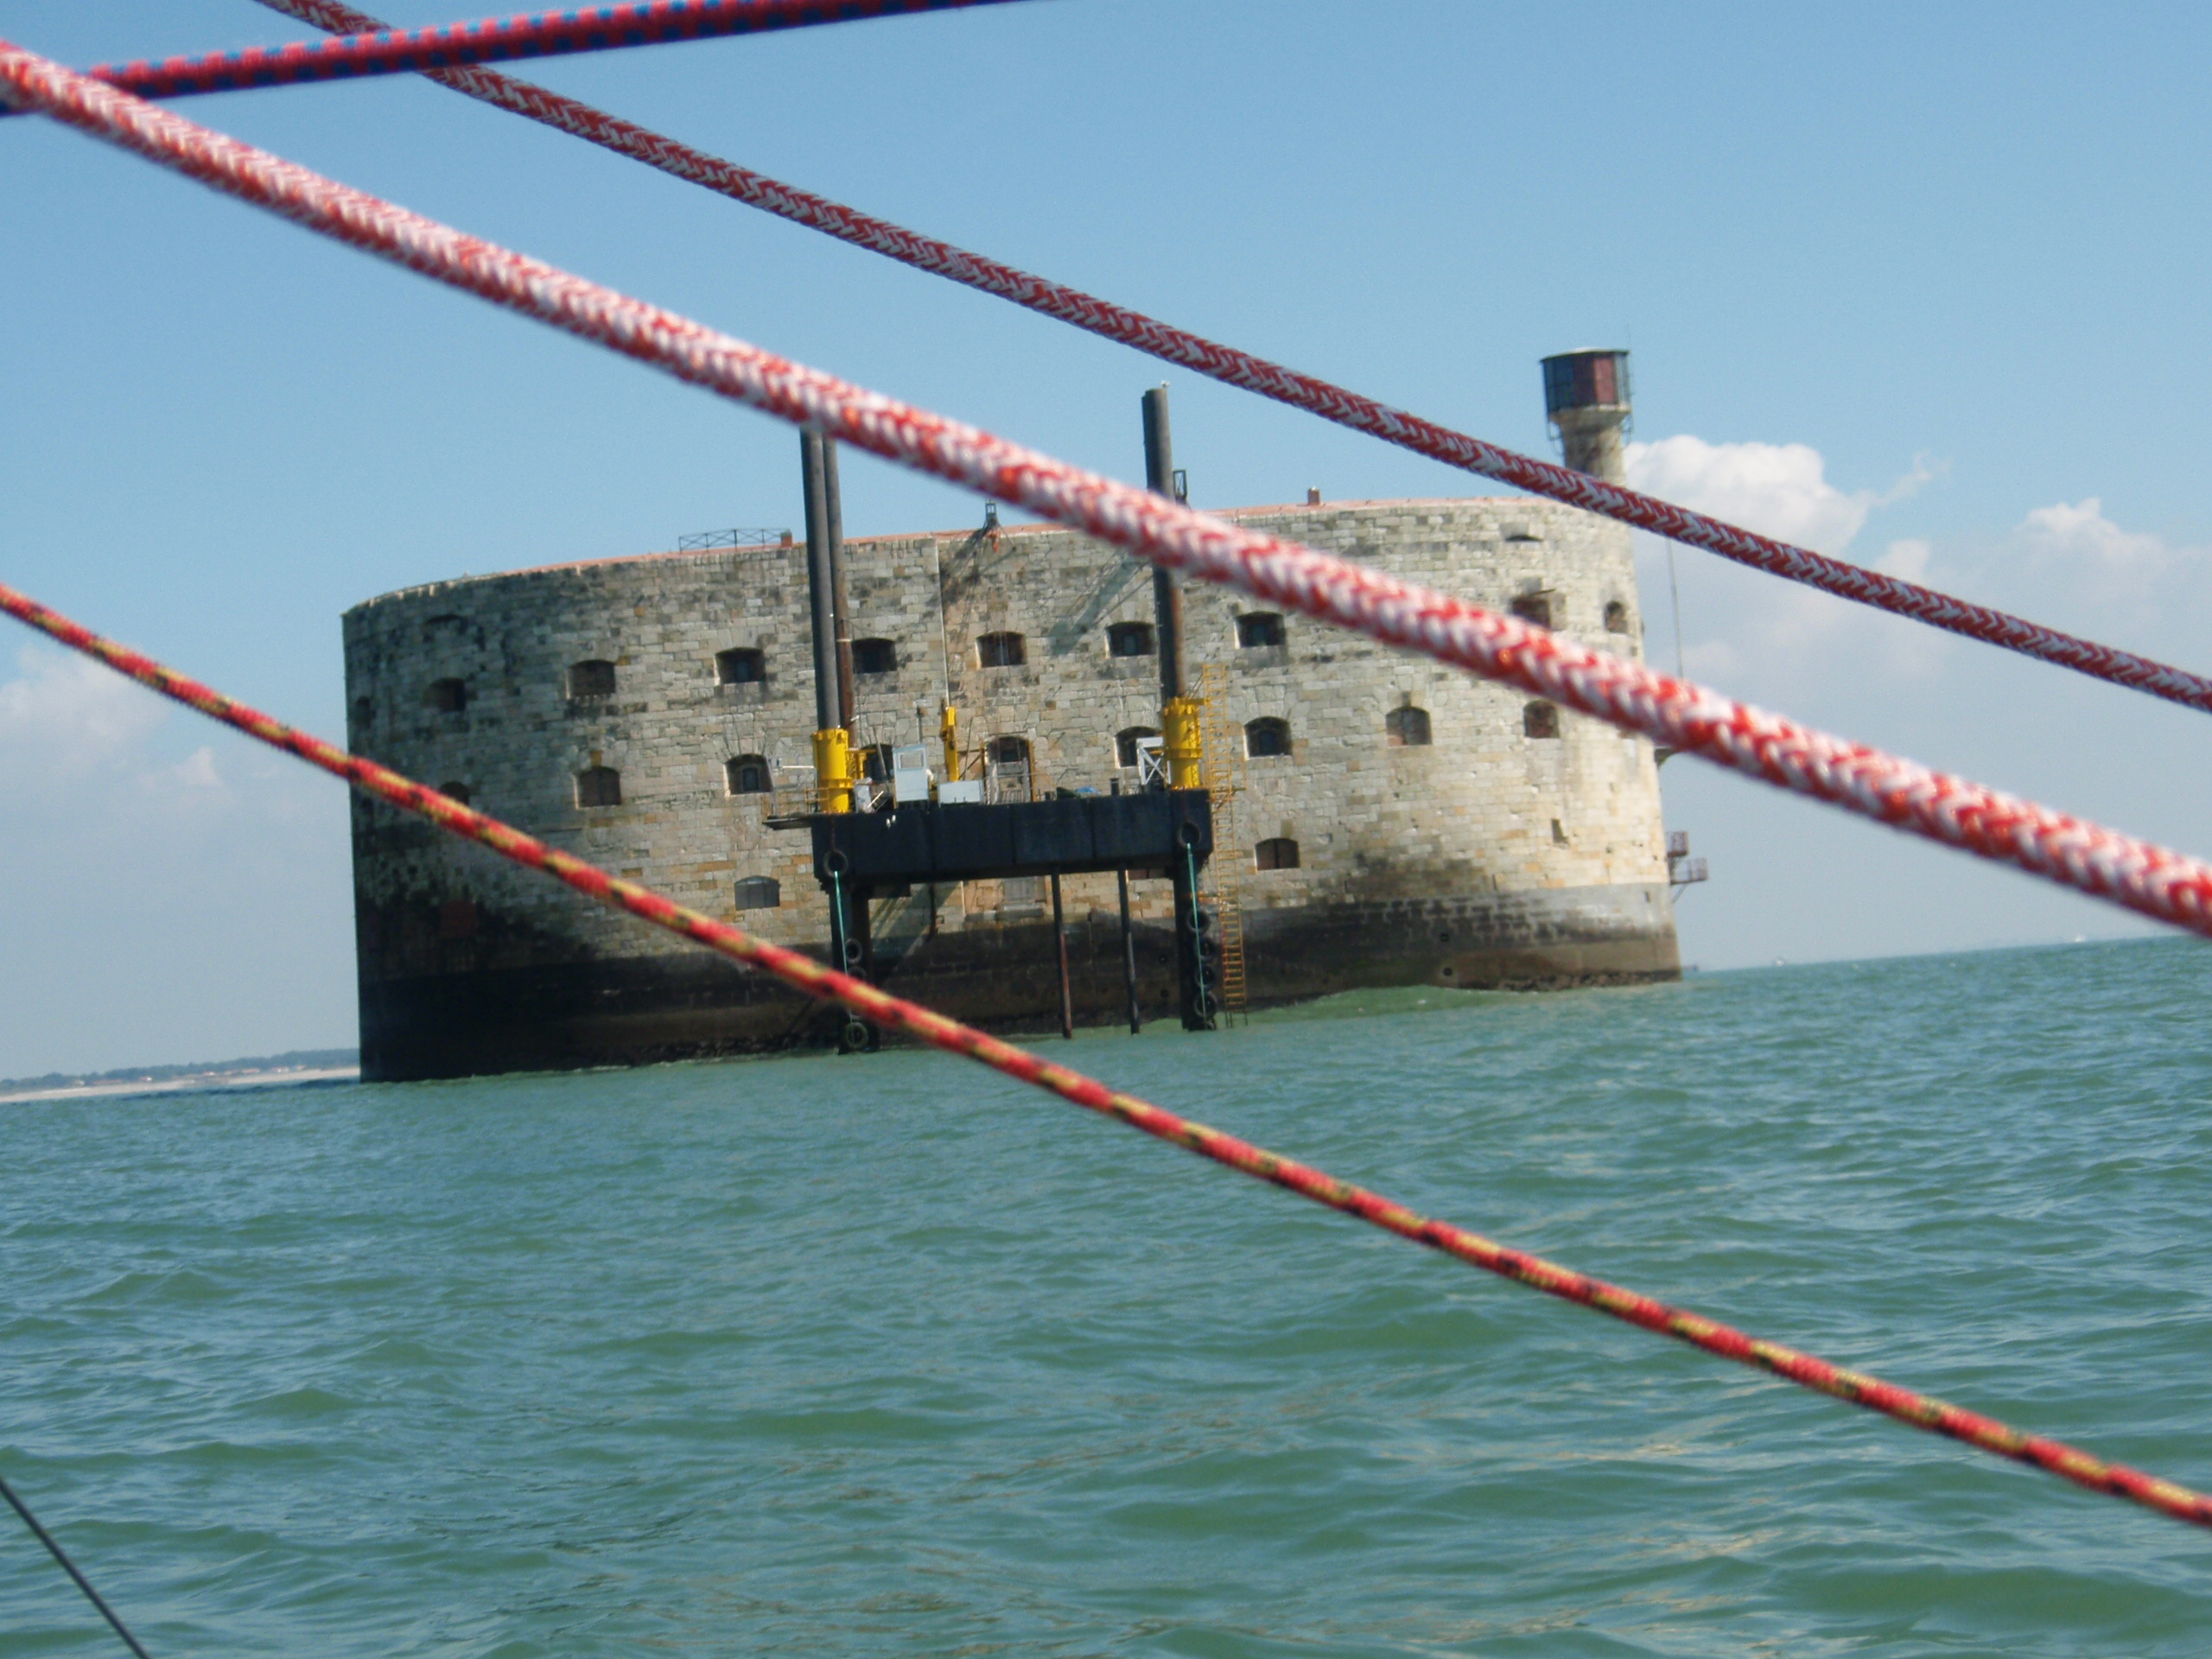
(1586, 400)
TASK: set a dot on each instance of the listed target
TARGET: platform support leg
(1060, 943)
(1129, 955)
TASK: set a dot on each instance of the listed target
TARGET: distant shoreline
(197, 1082)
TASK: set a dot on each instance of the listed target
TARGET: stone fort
(1392, 822)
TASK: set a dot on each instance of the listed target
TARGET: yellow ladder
(1221, 773)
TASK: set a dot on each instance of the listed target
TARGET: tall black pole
(844, 616)
(821, 581)
(1060, 940)
(1167, 598)
(1129, 955)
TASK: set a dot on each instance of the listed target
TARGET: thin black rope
(70, 1567)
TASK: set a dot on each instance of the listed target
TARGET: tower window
(1125, 744)
(743, 666)
(1276, 853)
(594, 677)
(759, 892)
(1009, 750)
(1534, 608)
(747, 774)
(1260, 629)
(1001, 650)
(446, 696)
(599, 787)
(1129, 639)
(365, 710)
(1267, 737)
(455, 791)
(874, 657)
(1406, 727)
(1540, 720)
(1616, 617)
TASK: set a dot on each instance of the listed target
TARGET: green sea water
(886, 1356)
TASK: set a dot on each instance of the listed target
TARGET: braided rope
(2069, 851)
(1241, 369)
(373, 49)
(803, 973)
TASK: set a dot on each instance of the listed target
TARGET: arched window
(1536, 608)
(1266, 737)
(1540, 720)
(1616, 617)
(742, 666)
(1406, 728)
(747, 774)
(874, 657)
(455, 791)
(594, 677)
(365, 710)
(446, 697)
(1009, 750)
(1260, 629)
(1001, 650)
(759, 892)
(599, 787)
(1129, 639)
(1125, 744)
(1276, 853)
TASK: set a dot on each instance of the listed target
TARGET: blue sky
(1923, 285)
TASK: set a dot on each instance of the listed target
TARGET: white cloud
(1783, 876)
(1778, 489)
(1907, 560)
(2084, 565)
(223, 868)
(67, 716)
(2081, 530)
(1751, 634)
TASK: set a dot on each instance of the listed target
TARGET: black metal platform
(1161, 829)
(858, 855)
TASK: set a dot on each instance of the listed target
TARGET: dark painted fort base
(473, 1020)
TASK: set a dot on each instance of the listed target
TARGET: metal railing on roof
(707, 539)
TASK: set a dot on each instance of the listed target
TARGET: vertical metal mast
(832, 743)
(1178, 715)
(835, 497)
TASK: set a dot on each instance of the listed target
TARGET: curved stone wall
(1495, 853)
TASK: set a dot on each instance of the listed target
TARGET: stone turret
(1586, 400)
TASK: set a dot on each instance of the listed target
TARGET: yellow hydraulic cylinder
(1179, 741)
(948, 729)
(833, 770)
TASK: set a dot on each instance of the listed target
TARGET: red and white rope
(1681, 716)
(1241, 369)
(805, 973)
(376, 50)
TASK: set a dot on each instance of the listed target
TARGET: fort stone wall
(1516, 845)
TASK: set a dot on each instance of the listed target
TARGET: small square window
(1129, 639)
(742, 666)
(1001, 650)
(1259, 630)
(591, 679)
